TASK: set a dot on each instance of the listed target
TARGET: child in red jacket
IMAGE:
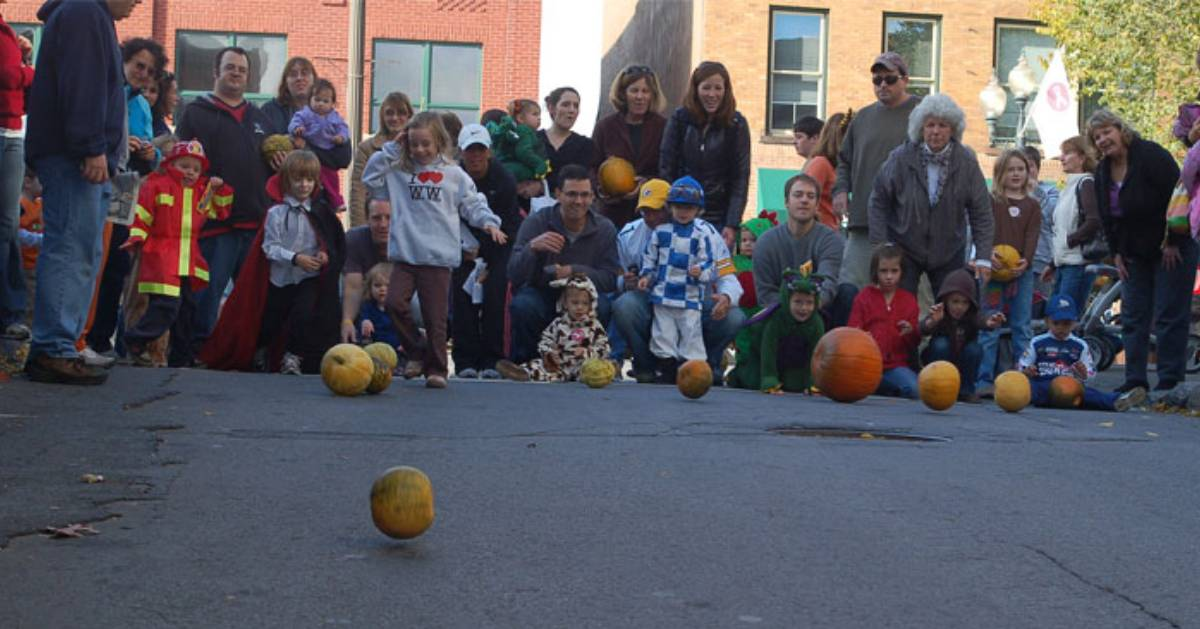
(889, 314)
(173, 204)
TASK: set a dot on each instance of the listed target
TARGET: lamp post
(994, 100)
(1023, 84)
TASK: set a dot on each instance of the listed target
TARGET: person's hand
(936, 312)
(631, 279)
(348, 335)
(562, 271)
(548, 242)
(1048, 274)
(216, 182)
(469, 255)
(1170, 257)
(1118, 262)
(277, 160)
(996, 320)
(299, 142)
(644, 285)
(721, 305)
(633, 194)
(145, 151)
(498, 236)
(1080, 369)
(95, 169)
(983, 274)
(24, 45)
(322, 258)
(840, 201)
(400, 136)
(368, 329)
(308, 263)
(298, 133)
(1031, 371)
(550, 360)
(694, 272)
(1022, 266)
(339, 140)
(904, 326)
(730, 234)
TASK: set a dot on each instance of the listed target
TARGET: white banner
(1055, 111)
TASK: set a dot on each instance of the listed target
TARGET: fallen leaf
(70, 531)
(1107, 424)
(92, 478)
(1151, 434)
(866, 435)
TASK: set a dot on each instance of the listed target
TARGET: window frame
(258, 98)
(823, 63)
(424, 100)
(935, 81)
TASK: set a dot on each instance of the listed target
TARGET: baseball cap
(686, 190)
(474, 134)
(1061, 308)
(892, 61)
(653, 194)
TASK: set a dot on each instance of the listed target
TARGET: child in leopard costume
(571, 338)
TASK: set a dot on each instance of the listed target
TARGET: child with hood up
(749, 337)
(954, 323)
(791, 334)
(572, 338)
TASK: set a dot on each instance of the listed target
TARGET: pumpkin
(617, 177)
(402, 502)
(694, 378)
(381, 377)
(1012, 391)
(272, 144)
(1066, 392)
(1008, 258)
(938, 385)
(385, 353)
(847, 365)
(347, 369)
(597, 372)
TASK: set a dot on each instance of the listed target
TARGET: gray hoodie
(426, 207)
(592, 251)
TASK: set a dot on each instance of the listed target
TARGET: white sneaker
(290, 365)
(93, 359)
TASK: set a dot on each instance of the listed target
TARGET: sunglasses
(640, 70)
(889, 79)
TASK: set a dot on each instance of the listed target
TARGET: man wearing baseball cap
(875, 131)
(478, 329)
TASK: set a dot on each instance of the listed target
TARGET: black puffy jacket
(719, 157)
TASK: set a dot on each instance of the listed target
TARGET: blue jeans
(1020, 311)
(73, 214)
(1167, 295)
(898, 382)
(1093, 399)
(530, 311)
(634, 317)
(967, 361)
(224, 254)
(1074, 280)
(12, 275)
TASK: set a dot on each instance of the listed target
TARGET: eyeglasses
(577, 196)
(889, 79)
(642, 70)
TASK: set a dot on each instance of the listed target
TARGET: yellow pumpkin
(381, 378)
(1012, 391)
(385, 353)
(694, 378)
(597, 373)
(278, 143)
(617, 177)
(1008, 258)
(402, 502)
(938, 385)
(847, 364)
(347, 369)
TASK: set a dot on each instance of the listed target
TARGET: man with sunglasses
(875, 131)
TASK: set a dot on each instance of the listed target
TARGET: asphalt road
(238, 500)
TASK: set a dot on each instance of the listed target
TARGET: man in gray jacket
(553, 243)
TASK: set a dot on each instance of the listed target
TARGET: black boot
(666, 371)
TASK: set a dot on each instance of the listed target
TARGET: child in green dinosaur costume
(515, 142)
(791, 334)
(745, 373)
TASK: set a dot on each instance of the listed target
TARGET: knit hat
(191, 148)
(686, 191)
(653, 194)
(760, 224)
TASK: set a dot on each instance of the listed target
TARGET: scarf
(941, 159)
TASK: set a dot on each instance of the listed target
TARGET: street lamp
(994, 100)
(1023, 84)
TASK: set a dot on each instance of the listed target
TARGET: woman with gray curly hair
(926, 192)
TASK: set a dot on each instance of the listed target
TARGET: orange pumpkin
(1012, 391)
(347, 369)
(1009, 258)
(617, 177)
(694, 378)
(1066, 392)
(402, 502)
(938, 385)
(847, 365)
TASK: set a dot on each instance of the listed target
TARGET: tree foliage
(1138, 57)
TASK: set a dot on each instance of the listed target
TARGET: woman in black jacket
(708, 139)
(1134, 181)
(295, 89)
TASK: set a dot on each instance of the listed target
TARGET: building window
(919, 40)
(441, 76)
(798, 65)
(1014, 39)
(32, 32)
(194, 60)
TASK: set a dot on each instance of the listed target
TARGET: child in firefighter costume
(173, 204)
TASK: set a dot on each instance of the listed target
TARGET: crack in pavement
(1103, 588)
(157, 397)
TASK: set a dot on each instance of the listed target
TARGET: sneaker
(512, 371)
(18, 331)
(467, 373)
(54, 370)
(1129, 399)
(140, 358)
(435, 382)
(1129, 386)
(290, 365)
(95, 359)
(413, 369)
(490, 374)
(985, 391)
